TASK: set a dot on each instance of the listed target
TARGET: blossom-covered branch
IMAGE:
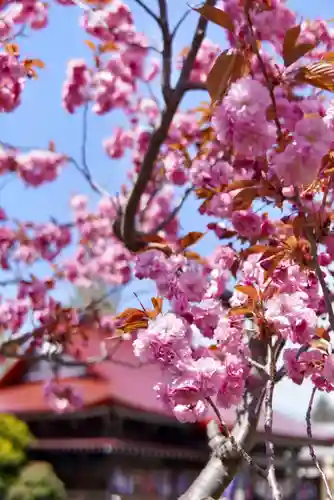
(128, 229)
(224, 324)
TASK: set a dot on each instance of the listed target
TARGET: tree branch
(166, 51)
(237, 448)
(84, 169)
(148, 11)
(194, 86)
(225, 462)
(174, 212)
(180, 21)
(128, 229)
(314, 252)
(311, 448)
(268, 425)
(267, 78)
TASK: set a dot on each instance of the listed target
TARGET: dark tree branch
(174, 212)
(225, 461)
(59, 359)
(179, 23)
(314, 252)
(267, 77)
(237, 448)
(148, 11)
(128, 229)
(166, 52)
(194, 86)
(268, 425)
(311, 448)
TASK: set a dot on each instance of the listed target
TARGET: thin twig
(173, 214)
(310, 446)
(314, 252)
(84, 168)
(148, 11)
(180, 21)
(264, 70)
(268, 425)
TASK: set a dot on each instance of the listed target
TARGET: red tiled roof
(113, 445)
(29, 397)
(122, 381)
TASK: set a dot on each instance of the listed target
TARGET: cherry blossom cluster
(264, 142)
(35, 167)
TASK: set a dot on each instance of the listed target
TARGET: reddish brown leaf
(329, 57)
(108, 47)
(157, 246)
(38, 63)
(190, 239)
(216, 16)
(193, 256)
(153, 238)
(298, 226)
(157, 303)
(292, 242)
(132, 319)
(135, 325)
(11, 349)
(322, 345)
(131, 314)
(213, 347)
(235, 268)
(289, 43)
(323, 334)
(319, 74)
(255, 249)
(239, 185)
(227, 69)
(272, 265)
(244, 199)
(12, 49)
(219, 76)
(248, 290)
(226, 234)
(90, 44)
(202, 193)
(270, 252)
(240, 311)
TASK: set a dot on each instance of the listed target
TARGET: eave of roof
(125, 383)
(119, 447)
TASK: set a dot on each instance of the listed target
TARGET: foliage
(15, 438)
(257, 160)
(37, 481)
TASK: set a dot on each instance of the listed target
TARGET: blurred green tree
(37, 481)
(15, 438)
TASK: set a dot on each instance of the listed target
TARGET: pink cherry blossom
(246, 223)
(250, 166)
(164, 340)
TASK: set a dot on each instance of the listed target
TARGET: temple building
(121, 443)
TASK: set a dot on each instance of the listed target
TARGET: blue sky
(41, 118)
